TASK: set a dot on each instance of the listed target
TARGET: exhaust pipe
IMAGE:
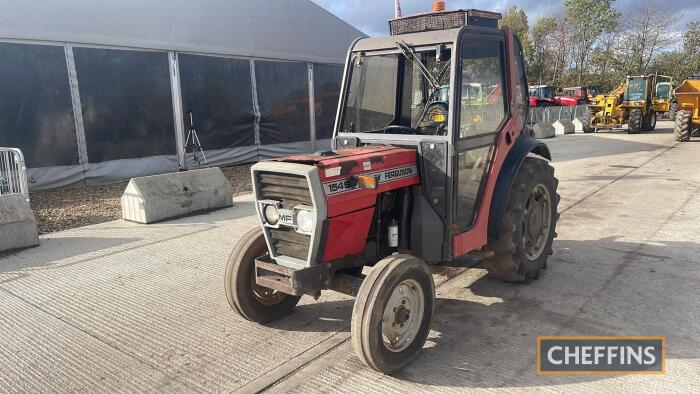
(397, 9)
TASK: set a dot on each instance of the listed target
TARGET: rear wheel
(250, 300)
(587, 120)
(673, 110)
(634, 124)
(682, 127)
(528, 224)
(649, 121)
(392, 313)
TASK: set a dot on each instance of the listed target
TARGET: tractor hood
(350, 161)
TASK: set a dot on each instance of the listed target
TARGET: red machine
(542, 96)
(426, 168)
(578, 95)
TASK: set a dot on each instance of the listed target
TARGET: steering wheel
(400, 129)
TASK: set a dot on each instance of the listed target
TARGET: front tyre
(634, 124)
(250, 300)
(682, 126)
(528, 224)
(392, 313)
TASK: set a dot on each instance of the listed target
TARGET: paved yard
(125, 307)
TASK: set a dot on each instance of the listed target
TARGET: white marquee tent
(101, 91)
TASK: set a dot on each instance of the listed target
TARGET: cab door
(478, 121)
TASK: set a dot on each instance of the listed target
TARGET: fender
(523, 146)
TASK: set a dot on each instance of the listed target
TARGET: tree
(540, 66)
(516, 19)
(585, 21)
(691, 46)
(648, 31)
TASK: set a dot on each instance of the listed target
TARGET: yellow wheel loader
(633, 103)
(688, 116)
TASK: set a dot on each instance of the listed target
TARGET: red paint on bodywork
(477, 236)
(350, 212)
(347, 234)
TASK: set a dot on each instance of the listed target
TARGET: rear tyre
(251, 301)
(392, 313)
(634, 124)
(528, 224)
(649, 121)
(682, 127)
(673, 110)
(587, 120)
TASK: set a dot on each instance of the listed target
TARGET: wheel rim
(536, 221)
(403, 315)
(265, 295)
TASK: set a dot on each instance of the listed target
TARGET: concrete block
(543, 130)
(562, 127)
(17, 223)
(156, 198)
(580, 125)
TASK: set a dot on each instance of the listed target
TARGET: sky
(370, 16)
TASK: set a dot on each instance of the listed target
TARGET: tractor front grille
(290, 190)
(286, 241)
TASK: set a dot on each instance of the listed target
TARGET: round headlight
(305, 220)
(271, 214)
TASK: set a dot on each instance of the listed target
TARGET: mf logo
(286, 217)
(601, 355)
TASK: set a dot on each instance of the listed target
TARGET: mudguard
(523, 146)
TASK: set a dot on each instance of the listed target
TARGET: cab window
(482, 105)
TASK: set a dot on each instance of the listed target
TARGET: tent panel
(127, 105)
(327, 81)
(283, 97)
(218, 93)
(36, 112)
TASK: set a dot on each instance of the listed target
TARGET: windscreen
(663, 91)
(636, 89)
(398, 93)
(542, 92)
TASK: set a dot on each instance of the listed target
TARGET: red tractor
(578, 95)
(542, 96)
(425, 170)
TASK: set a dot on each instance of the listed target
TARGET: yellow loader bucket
(688, 98)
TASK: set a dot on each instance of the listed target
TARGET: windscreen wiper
(411, 55)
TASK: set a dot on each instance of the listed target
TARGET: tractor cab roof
(429, 29)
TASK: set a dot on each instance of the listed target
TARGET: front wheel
(392, 313)
(682, 127)
(528, 224)
(634, 124)
(250, 300)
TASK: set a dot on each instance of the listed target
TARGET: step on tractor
(687, 121)
(634, 103)
(432, 165)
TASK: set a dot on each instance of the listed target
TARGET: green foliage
(516, 19)
(585, 21)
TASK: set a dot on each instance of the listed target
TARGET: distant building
(97, 92)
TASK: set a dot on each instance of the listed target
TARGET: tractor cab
(542, 96)
(431, 161)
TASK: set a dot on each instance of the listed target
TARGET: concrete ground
(126, 307)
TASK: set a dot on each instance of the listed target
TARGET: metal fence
(552, 114)
(13, 172)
